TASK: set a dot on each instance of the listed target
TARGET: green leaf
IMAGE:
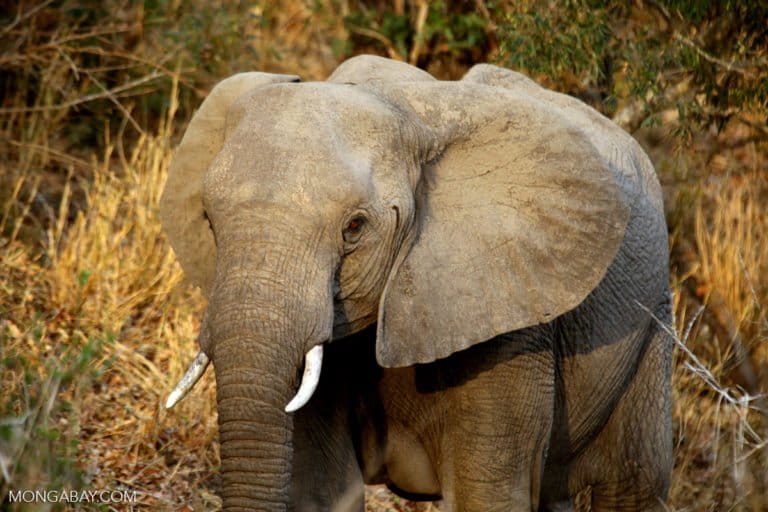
(83, 277)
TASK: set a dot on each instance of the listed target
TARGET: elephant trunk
(254, 431)
(261, 323)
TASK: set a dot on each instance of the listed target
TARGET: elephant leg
(326, 474)
(497, 436)
(637, 440)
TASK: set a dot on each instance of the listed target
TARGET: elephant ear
(181, 206)
(517, 220)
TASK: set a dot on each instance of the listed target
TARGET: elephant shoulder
(489, 74)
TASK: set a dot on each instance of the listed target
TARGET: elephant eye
(354, 229)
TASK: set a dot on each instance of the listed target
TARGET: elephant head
(445, 212)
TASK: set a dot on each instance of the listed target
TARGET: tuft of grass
(731, 230)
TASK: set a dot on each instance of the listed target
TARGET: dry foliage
(96, 321)
(720, 367)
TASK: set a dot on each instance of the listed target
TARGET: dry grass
(106, 288)
(96, 321)
(721, 454)
(731, 231)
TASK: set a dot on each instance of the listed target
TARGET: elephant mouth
(313, 364)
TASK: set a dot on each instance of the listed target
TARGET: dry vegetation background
(97, 323)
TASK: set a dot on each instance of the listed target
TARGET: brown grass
(97, 322)
(109, 275)
(721, 454)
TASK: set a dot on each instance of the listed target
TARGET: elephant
(458, 289)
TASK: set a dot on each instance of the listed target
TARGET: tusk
(187, 382)
(313, 362)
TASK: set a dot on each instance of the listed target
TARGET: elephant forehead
(303, 175)
(309, 147)
(285, 111)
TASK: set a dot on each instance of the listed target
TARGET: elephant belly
(391, 446)
(401, 462)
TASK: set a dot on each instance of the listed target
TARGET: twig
(113, 29)
(748, 278)
(113, 99)
(21, 17)
(127, 56)
(694, 364)
(57, 154)
(391, 50)
(662, 10)
(631, 117)
(691, 323)
(729, 66)
(71, 63)
(480, 4)
(760, 127)
(85, 99)
(754, 450)
(27, 207)
(421, 19)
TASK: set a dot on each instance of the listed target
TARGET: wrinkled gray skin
(493, 328)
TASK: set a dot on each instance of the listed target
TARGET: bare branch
(90, 97)
(421, 19)
(759, 127)
(387, 42)
(56, 155)
(114, 100)
(736, 67)
(21, 17)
